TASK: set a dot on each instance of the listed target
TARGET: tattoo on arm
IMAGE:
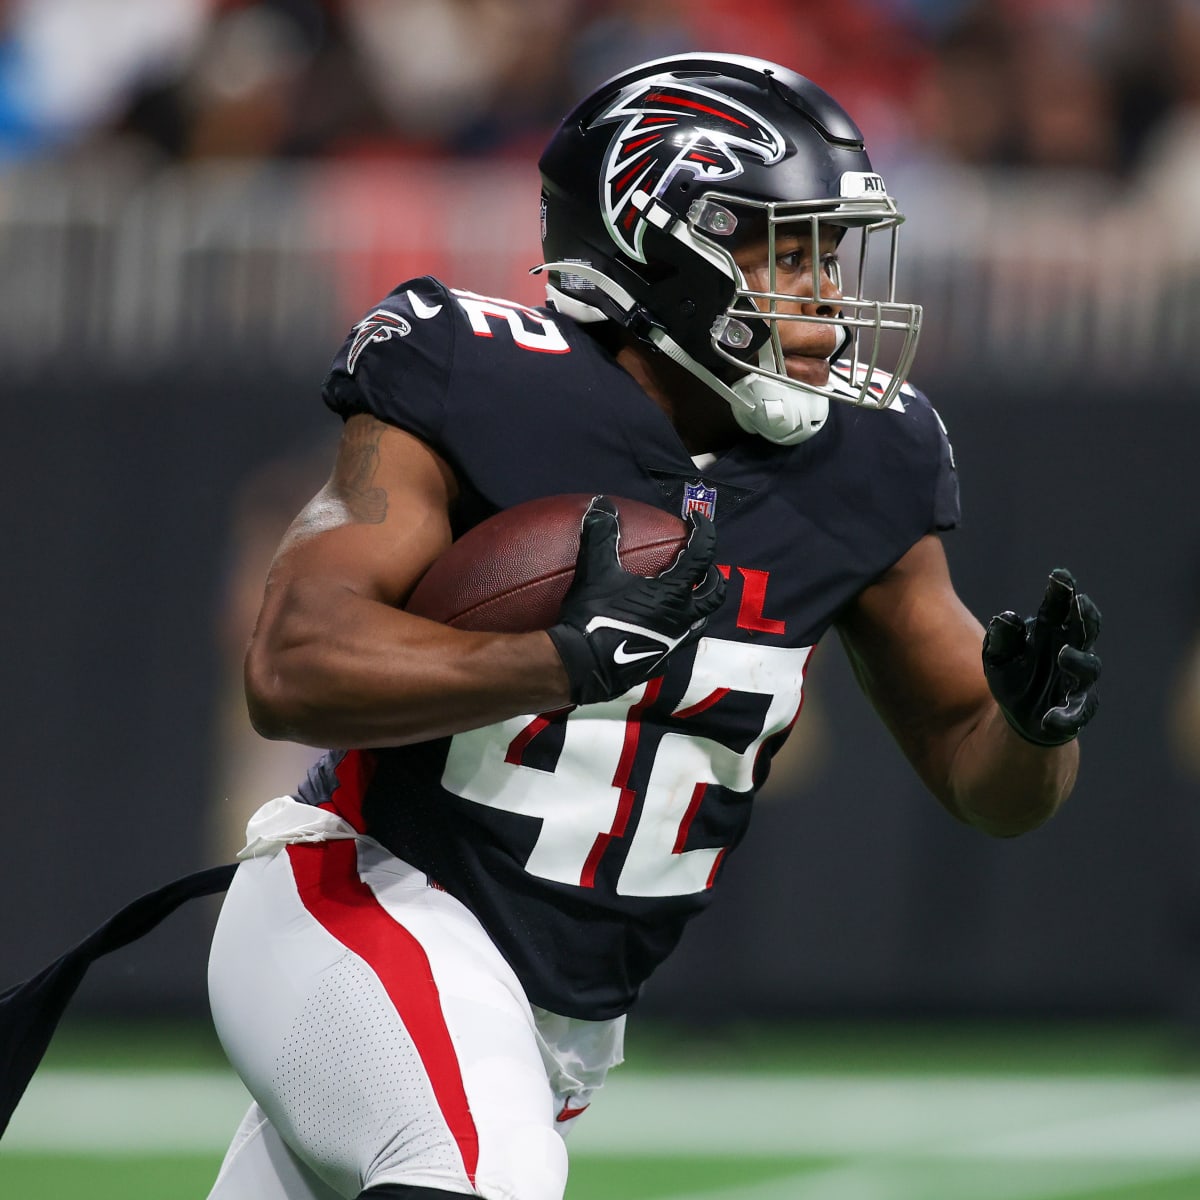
(357, 463)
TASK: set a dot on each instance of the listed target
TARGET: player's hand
(1042, 670)
(616, 629)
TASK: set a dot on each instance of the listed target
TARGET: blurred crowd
(1092, 84)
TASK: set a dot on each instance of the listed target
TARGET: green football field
(813, 1113)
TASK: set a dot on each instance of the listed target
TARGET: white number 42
(587, 801)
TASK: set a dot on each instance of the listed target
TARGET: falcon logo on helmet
(670, 127)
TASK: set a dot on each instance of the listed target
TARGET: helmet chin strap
(783, 414)
(760, 405)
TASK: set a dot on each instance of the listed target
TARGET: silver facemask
(878, 336)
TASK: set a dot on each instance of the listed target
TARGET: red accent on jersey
(712, 875)
(633, 730)
(686, 824)
(682, 100)
(701, 705)
(354, 774)
(516, 748)
(750, 611)
(329, 886)
(568, 1112)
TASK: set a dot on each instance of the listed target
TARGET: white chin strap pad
(780, 414)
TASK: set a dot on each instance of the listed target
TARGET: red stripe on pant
(354, 773)
(327, 879)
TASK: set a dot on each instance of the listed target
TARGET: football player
(424, 963)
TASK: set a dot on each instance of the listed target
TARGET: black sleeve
(947, 510)
(395, 363)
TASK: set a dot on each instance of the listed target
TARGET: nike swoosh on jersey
(621, 655)
(421, 309)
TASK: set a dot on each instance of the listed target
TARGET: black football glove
(615, 629)
(1041, 669)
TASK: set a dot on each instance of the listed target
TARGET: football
(509, 574)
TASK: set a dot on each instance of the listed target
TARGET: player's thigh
(380, 1029)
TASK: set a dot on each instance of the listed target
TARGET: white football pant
(383, 1037)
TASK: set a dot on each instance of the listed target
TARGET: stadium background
(198, 197)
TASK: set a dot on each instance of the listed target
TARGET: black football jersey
(585, 839)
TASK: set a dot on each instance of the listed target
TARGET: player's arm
(916, 651)
(333, 661)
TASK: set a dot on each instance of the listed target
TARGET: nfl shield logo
(699, 498)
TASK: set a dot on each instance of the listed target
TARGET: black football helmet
(654, 178)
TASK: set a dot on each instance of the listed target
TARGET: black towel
(30, 1011)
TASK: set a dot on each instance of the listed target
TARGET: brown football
(509, 574)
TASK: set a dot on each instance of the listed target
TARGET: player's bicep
(379, 521)
(915, 649)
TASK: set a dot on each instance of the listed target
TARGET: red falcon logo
(668, 127)
(380, 326)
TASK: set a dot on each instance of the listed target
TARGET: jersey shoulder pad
(908, 442)
(395, 362)
(407, 309)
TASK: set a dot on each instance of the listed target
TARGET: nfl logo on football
(701, 499)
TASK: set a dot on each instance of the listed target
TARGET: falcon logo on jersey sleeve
(668, 127)
(380, 326)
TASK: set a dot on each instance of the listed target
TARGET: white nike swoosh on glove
(621, 655)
